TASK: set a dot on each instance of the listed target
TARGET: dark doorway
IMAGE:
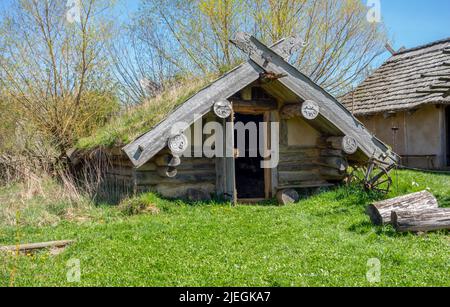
(250, 182)
(447, 135)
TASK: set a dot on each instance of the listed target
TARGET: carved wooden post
(223, 109)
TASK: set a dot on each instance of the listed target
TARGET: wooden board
(148, 145)
(306, 89)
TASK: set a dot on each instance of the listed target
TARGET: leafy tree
(55, 72)
(340, 41)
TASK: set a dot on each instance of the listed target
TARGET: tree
(340, 41)
(54, 69)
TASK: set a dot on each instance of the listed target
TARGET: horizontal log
(167, 171)
(347, 144)
(290, 111)
(167, 160)
(306, 185)
(298, 178)
(152, 178)
(422, 221)
(334, 163)
(254, 106)
(36, 246)
(380, 212)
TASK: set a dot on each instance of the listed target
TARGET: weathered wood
(196, 195)
(290, 111)
(168, 160)
(173, 191)
(310, 110)
(223, 108)
(347, 144)
(178, 144)
(254, 106)
(167, 171)
(36, 246)
(380, 212)
(148, 145)
(331, 174)
(421, 221)
(152, 178)
(302, 86)
(286, 197)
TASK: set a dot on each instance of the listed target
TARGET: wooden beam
(254, 106)
(148, 145)
(306, 89)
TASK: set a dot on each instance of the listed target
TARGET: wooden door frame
(267, 117)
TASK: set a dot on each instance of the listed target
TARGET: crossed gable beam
(262, 60)
(148, 145)
(331, 109)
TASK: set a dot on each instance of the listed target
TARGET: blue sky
(410, 22)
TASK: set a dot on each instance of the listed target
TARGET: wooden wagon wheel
(378, 180)
(372, 177)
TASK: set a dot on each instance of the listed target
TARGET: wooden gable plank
(306, 89)
(148, 145)
(145, 147)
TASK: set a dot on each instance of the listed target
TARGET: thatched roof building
(404, 102)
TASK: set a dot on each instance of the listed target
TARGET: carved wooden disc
(349, 145)
(310, 110)
(178, 144)
(223, 109)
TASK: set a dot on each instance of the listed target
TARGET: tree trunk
(423, 221)
(286, 197)
(380, 212)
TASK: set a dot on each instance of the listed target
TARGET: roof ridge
(428, 45)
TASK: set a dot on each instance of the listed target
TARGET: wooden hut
(318, 137)
(405, 103)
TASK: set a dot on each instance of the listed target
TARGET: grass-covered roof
(133, 122)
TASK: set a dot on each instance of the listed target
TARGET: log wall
(192, 173)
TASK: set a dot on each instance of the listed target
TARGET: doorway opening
(250, 177)
(447, 134)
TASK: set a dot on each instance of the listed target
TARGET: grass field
(324, 240)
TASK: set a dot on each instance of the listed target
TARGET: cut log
(178, 144)
(168, 160)
(166, 171)
(380, 212)
(223, 108)
(35, 246)
(286, 197)
(291, 111)
(310, 110)
(422, 221)
(347, 144)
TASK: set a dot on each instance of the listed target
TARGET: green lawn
(325, 240)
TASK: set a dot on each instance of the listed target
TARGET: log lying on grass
(424, 221)
(35, 246)
(380, 212)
